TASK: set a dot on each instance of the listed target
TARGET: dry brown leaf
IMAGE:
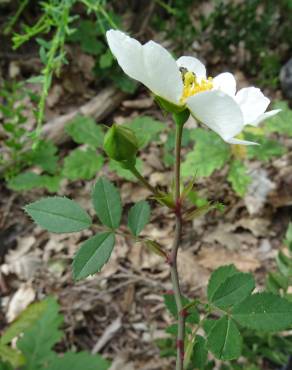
(190, 271)
(258, 226)
(19, 301)
(224, 235)
(214, 257)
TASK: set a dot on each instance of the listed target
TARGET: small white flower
(184, 83)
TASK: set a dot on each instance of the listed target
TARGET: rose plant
(182, 89)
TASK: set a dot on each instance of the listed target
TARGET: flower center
(192, 85)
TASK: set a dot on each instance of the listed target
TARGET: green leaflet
(26, 319)
(210, 153)
(82, 164)
(123, 172)
(78, 361)
(199, 354)
(233, 290)
(264, 312)
(138, 217)
(224, 339)
(11, 356)
(107, 203)
(146, 129)
(93, 254)
(218, 277)
(58, 215)
(238, 177)
(266, 150)
(30, 180)
(38, 340)
(281, 122)
(45, 156)
(84, 130)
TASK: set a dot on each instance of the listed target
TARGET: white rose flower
(184, 83)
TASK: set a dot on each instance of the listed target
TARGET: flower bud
(121, 144)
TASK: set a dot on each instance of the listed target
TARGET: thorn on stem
(180, 347)
(177, 208)
(184, 313)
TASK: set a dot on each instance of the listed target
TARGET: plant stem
(174, 251)
(142, 179)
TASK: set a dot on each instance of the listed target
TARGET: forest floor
(120, 312)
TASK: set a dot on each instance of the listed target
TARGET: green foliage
(224, 339)
(247, 24)
(44, 156)
(38, 330)
(107, 203)
(238, 177)
(202, 162)
(279, 281)
(146, 129)
(86, 35)
(123, 172)
(193, 314)
(30, 180)
(25, 320)
(93, 255)
(14, 118)
(84, 130)
(281, 122)
(266, 150)
(82, 164)
(233, 290)
(58, 215)
(56, 16)
(264, 312)
(243, 323)
(218, 277)
(138, 217)
(38, 340)
(199, 353)
(11, 357)
(77, 361)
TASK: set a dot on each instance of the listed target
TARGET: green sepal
(168, 106)
(121, 144)
(165, 199)
(181, 118)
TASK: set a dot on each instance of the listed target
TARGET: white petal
(150, 64)
(265, 116)
(252, 102)
(241, 142)
(226, 83)
(218, 111)
(193, 65)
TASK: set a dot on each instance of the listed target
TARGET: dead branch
(99, 107)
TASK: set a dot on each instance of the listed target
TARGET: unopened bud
(121, 144)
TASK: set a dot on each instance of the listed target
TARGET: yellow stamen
(193, 86)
